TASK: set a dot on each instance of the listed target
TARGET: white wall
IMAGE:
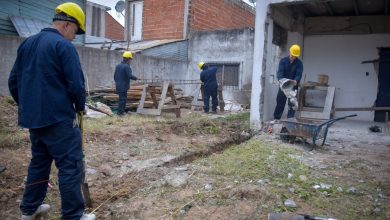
(340, 57)
(231, 46)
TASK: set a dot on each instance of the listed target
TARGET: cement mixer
(287, 87)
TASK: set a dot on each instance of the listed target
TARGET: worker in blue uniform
(209, 77)
(47, 83)
(122, 76)
(290, 67)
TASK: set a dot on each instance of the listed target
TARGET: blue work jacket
(46, 80)
(122, 77)
(209, 77)
(290, 70)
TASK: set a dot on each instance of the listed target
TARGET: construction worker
(209, 77)
(290, 67)
(47, 83)
(123, 75)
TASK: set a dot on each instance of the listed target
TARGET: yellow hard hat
(73, 10)
(295, 50)
(200, 65)
(127, 55)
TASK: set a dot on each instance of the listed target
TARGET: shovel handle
(84, 184)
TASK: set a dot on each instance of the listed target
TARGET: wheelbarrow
(308, 129)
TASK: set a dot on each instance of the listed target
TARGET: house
(219, 32)
(99, 23)
(176, 19)
(339, 38)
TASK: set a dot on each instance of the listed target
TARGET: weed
(238, 117)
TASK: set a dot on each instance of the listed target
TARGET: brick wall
(220, 15)
(114, 30)
(163, 19)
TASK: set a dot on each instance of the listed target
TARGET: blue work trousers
(60, 142)
(213, 93)
(122, 102)
(280, 103)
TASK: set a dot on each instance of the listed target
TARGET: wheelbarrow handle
(327, 124)
(331, 121)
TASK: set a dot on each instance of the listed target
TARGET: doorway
(383, 95)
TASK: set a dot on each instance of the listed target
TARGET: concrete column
(255, 115)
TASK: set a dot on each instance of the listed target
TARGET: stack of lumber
(109, 97)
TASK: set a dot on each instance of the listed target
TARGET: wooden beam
(364, 109)
(347, 25)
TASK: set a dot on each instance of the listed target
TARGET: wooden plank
(196, 102)
(142, 101)
(149, 111)
(318, 113)
(166, 107)
(172, 95)
(163, 94)
(352, 109)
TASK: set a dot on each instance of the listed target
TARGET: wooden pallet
(159, 106)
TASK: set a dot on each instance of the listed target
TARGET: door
(136, 9)
(383, 96)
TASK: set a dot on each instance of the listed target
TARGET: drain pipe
(258, 54)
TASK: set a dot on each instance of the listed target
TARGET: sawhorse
(160, 106)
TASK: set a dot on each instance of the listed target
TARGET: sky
(114, 14)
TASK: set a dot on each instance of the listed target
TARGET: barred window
(228, 75)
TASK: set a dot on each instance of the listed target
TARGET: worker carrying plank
(122, 76)
(209, 77)
(290, 67)
(47, 83)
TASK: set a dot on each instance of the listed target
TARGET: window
(96, 22)
(135, 27)
(228, 75)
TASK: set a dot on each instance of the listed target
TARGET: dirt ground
(141, 167)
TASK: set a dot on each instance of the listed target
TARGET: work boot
(88, 217)
(41, 213)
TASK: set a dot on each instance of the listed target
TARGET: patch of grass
(15, 139)
(11, 135)
(254, 160)
(238, 117)
(95, 125)
(242, 118)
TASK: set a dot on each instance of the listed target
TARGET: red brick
(114, 30)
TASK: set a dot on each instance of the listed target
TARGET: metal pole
(255, 116)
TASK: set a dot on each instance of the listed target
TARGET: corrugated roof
(176, 49)
(28, 26)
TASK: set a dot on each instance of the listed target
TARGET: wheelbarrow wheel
(285, 136)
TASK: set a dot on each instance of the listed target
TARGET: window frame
(221, 81)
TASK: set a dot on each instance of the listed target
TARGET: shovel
(84, 184)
